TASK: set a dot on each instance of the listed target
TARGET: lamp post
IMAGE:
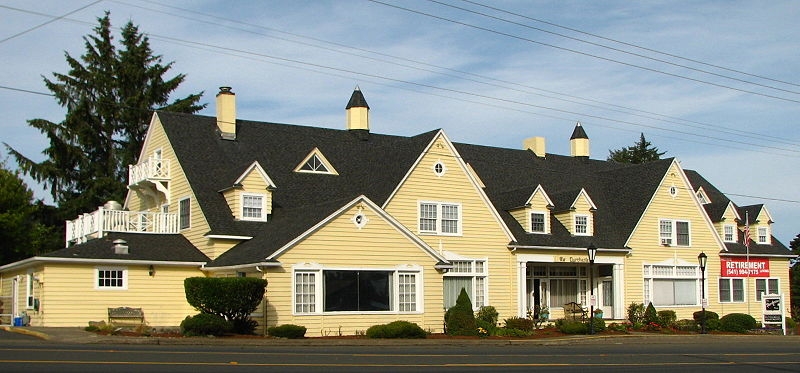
(592, 252)
(702, 259)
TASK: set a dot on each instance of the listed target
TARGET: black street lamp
(702, 259)
(592, 252)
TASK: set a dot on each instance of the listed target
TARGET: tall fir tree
(794, 278)
(640, 152)
(109, 96)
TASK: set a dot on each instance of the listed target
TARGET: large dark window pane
(356, 290)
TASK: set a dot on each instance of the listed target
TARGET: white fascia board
(228, 237)
(242, 266)
(40, 259)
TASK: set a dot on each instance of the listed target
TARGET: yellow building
(353, 229)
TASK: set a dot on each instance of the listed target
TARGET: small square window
(537, 222)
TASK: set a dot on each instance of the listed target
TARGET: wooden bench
(125, 316)
(574, 311)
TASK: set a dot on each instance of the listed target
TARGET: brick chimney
(226, 113)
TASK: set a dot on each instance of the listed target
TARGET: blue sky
(714, 83)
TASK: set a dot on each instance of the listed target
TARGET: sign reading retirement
(741, 267)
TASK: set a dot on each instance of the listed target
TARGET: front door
(606, 298)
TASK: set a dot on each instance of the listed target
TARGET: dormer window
(253, 207)
(763, 235)
(538, 222)
(582, 225)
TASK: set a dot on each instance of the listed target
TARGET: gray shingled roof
(141, 247)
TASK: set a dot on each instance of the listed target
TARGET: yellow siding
(69, 297)
(646, 247)
(482, 235)
(777, 268)
(341, 245)
(522, 216)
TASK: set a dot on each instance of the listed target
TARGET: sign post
(772, 310)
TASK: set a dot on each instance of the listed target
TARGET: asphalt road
(614, 355)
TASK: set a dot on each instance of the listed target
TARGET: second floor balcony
(153, 169)
(108, 219)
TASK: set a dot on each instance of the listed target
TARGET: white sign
(772, 310)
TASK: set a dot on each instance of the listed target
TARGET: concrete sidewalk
(74, 335)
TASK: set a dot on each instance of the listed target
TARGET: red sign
(741, 267)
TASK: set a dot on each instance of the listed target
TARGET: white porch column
(619, 291)
(522, 286)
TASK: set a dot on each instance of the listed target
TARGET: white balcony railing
(154, 168)
(97, 223)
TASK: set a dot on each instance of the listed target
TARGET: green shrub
(205, 324)
(599, 324)
(490, 328)
(686, 325)
(737, 322)
(521, 323)
(460, 319)
(636, 313)
(396, 329)
(650, 314)
(667, 318)
(712, 320)
(790, 323)
(507, 332)
(488, 314)
(233, 298)
(290, 331)
(572, 327)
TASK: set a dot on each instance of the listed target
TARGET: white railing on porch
(153, 168)
(97, 223)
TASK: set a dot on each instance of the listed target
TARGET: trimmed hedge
(737, 322)
(667, 318)
(205, 324)
(233, 298)
(290, 331)
(396, 329)
(712, 320)
(573, 327)
(521, 323)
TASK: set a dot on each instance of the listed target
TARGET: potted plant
(598, 313)
(544, 313)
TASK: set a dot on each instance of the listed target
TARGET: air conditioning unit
(666, 241)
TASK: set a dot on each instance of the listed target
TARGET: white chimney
(226, 113)
(536, 145)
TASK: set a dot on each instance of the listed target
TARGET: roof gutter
(558, 248)
(760, 255)
(243, 266)
(43, 259)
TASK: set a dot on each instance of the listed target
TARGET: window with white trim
(440, 218)
(469, 275)
(731, 290)
(767, 286)
(29, 290)
(582, 225)
(672, 285)
(184, 214)
(729, 233)
(115, 278)
(538, 222)
(253, 207)
(674, 232)
(356, 291)
(763, 235)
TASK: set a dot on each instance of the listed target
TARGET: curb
(19, 330)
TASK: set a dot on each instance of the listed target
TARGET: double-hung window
(184, 214)
(440, 218)
(469, 275)
(766, 286)
(253, 207)
(582, 225)
(538, 224)
(674, 232)
(763, 234)
(672, 285)
(731, 290)
(729, 233)
(356, 291)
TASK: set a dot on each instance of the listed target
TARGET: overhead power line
(48, 22)
(529, 40)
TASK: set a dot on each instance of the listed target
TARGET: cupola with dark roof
(579, 142)
(357, 112)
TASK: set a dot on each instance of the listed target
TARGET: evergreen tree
(22, 231)
(794, 278)
(109, 96)
(640, 152)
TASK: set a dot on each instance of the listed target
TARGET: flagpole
(747, 249)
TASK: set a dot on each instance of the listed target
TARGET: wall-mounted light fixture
(151, 271)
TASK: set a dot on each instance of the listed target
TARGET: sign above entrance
(741, 267)
(570, 259)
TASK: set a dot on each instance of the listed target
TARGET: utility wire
(631, 44)
(612, 107)
(48, 22)
(501, 33)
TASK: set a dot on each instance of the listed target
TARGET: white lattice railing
(153, 168)
(97, 223)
